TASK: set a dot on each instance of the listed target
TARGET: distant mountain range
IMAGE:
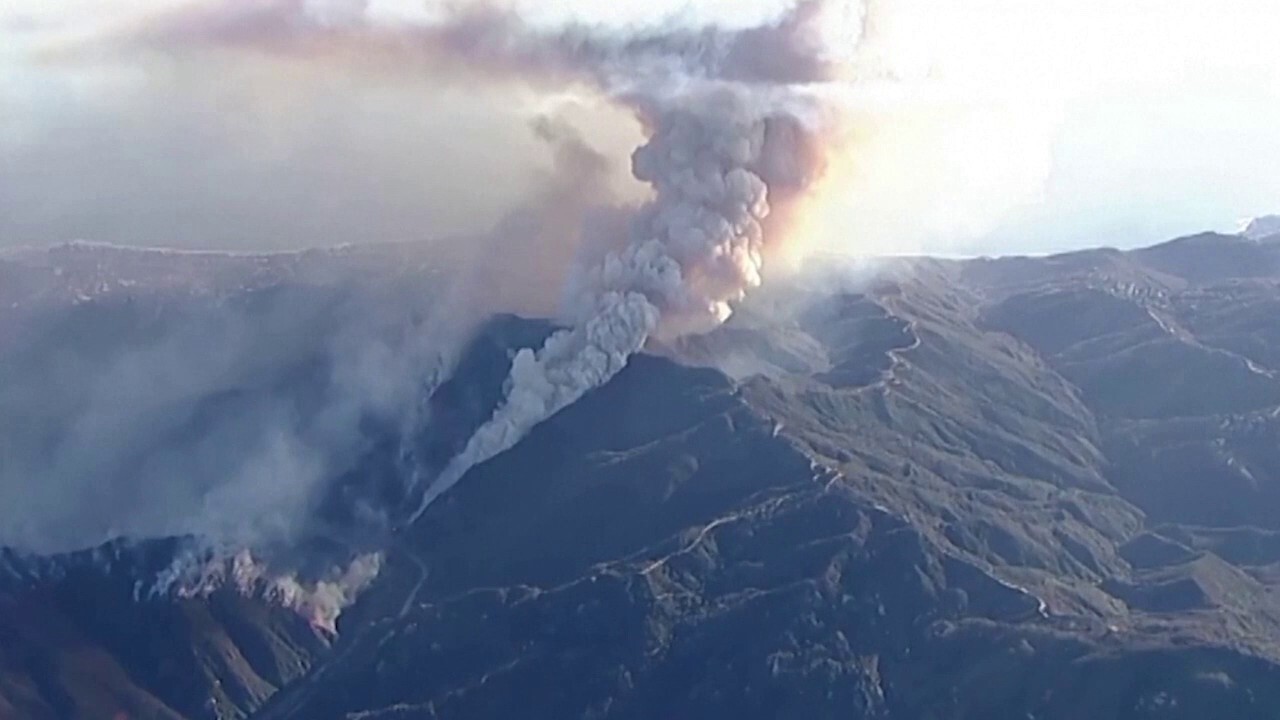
(1024, 487)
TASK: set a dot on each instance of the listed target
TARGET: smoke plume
(724, 120)
(731, 136)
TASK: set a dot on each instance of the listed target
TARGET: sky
(973, 127)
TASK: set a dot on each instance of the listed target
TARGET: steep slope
(934, 535)
(1011, 488)
(80, 637)
(621, 553)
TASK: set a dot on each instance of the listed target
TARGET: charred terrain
(992, 488)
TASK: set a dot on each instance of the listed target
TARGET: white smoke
(320, 600)
(569, 363)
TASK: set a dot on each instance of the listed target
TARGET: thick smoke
(722, 123)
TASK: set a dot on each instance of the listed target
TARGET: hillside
(993, 488)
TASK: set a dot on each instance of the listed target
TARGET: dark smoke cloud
(486, 38)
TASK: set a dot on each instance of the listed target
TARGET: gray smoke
(569, 363)
(718, 122)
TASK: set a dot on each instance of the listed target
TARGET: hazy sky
(977, 126)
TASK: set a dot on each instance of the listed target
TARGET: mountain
(993, 488)
(79, 639)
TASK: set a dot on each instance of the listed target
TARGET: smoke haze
(230, 418)
(217, 418)
(634, 181)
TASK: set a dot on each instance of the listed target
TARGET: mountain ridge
(1022, 487)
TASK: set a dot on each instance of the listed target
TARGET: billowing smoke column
(725, 112)
(693, 251)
